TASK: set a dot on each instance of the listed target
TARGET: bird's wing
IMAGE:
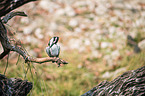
(47, 50)
(58, 50)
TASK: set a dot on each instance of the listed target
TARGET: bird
(53, 48)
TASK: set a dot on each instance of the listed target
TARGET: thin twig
(7, 64)
(18, 59)
(30, 70)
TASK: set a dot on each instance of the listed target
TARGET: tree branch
(3, 54)
(8, 5)
(48, 59)
(11, 15)
(7, 46)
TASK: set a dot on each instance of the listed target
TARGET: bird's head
(53, 40)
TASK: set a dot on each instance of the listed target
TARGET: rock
(108, 74)
(141, 44)
(138, 22)
(87, 42)
(115, 54)
(105, 44)
(53, 26)
(25, 20)
(98, 31)
(74, 43)
(95, 44)
(31, 39)
(44, 4)
(136, 49)
(73, 23)
(100, 10)
(112, 30)
(130, 40)
(69, 11)
(38, 33)
(60, 12)
(27, 30)
(95, 54)
(83, 26)
(78, 30)
(48, 5)
(108, 59)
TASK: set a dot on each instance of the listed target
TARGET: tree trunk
(131, 83)
(14, 87)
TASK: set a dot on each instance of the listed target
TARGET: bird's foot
(59, 61)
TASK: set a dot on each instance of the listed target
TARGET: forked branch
(7, 46)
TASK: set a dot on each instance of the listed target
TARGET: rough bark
(14, 87)
(8, 5)
(131, 83)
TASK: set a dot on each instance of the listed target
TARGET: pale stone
(104, 44)
(141, 44)
(73, 23)
(70, 11)
(38, 33)
(27, 30)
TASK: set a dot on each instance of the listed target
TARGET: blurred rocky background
(99, 38)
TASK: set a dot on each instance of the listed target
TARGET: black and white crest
(53, 41)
